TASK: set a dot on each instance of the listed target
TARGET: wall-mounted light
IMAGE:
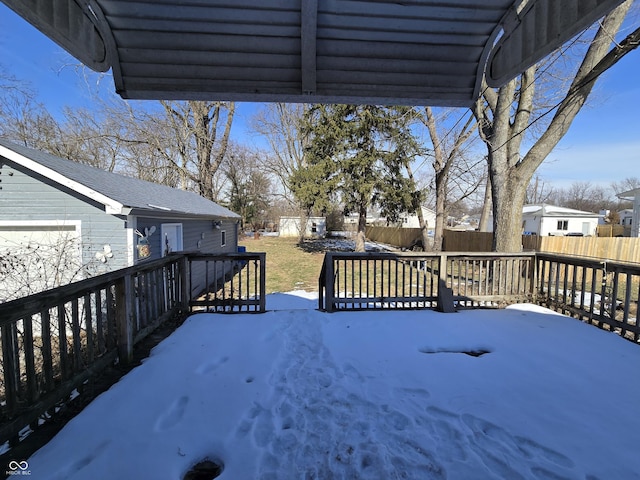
(217, 224)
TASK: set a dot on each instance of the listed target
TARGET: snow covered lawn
(300, 394)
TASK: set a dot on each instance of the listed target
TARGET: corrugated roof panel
(539, 29)
(299, 50)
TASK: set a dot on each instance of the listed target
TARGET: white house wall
(549, 225)
(531, 223)
(411, 221)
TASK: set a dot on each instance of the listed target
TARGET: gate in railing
(400, 280)
(54, 341)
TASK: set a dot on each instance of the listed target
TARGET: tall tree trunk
(442, 164)
(424, 228)
(509, 192)
(304, 219)
(504, 115)
(206, 117)
(483, 225)
(441, 208)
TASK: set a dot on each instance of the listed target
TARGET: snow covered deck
(301, 394)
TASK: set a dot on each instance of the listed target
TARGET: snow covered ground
(300, 394)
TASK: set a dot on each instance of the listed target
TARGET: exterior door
(171, 235)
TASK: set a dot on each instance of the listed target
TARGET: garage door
(38, 257)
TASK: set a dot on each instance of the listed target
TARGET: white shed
(544, 219)
(291, 227)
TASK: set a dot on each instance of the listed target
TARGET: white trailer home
(544, 219)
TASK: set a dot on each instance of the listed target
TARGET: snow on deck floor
(300, 394)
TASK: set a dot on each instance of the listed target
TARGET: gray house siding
(118, 221)
(198, 236)
(212, 243)
(29, 197)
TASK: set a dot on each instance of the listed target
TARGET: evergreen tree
(357, 155)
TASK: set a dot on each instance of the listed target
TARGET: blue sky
(603, 144)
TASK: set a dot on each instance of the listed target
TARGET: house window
(314, 227)
(223, 236)
(563, 224)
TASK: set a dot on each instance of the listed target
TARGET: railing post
(329, 300)
(322, 281)
(185, 266)
(124, 318)
(445, 294)
(263, 282)
(10, 366)
(533, 288)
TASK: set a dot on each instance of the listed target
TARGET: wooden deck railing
(397, 280)
(54, 341)
(232, 282)
(600, 292)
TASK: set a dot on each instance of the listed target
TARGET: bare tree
(23, 119)
(195, 138)
(250, 187)
(455, 175)
(281, 125)
(626, 184)
(504, 115)
(584, 196)
(539, 191)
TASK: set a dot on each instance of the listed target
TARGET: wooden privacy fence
(610, 230)
(622, 249)
(55, 341)
(396, 236)
(372, 280)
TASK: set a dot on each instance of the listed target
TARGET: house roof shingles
(139, 195)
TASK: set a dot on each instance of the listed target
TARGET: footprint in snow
(209, 367)
(82, 462)
(173, 415)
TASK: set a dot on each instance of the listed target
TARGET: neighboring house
(316, 227)
(410, 220)
(626, 217)
(633, 196)
(373, 218)
(101, 221)
(544, 219)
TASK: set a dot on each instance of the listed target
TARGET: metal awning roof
(414, 52)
